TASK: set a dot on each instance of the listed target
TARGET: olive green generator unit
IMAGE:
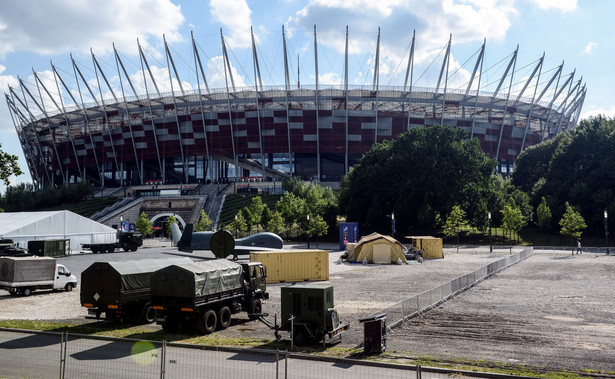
(308, 313)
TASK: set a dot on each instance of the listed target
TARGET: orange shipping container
(285, 266)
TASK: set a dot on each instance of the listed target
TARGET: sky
(36, 33)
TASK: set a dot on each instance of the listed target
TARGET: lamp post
(489, 220)
(393, 224)
(308, 231)
(235, 226)
(606, 230)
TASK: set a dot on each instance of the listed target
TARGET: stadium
(130, 136)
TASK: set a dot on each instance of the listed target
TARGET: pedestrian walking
(579, 247)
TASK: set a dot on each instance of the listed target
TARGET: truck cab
(64, 279)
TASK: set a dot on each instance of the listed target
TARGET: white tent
(22, 227)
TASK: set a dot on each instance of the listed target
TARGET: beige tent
(376, 248)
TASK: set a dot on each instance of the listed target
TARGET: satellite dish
(222, 243)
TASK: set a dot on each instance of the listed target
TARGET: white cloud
(589, 48)
(562, 5)
(234, 15)
(594, 111)
(215, 74)
(55, 26)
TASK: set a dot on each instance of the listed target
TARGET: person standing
(579, 247)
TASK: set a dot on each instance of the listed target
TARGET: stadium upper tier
(192, 135)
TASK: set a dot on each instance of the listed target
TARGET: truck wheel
(95, 250)
(110, 248)
(26, 292)
(126, 248)
(68, 287)
(224, 318)
(255, 308)
(208, 322)
(149, 314)
(134, 248)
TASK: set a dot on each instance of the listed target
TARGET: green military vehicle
(121, 290)
(205, 294)
(128, 241)
(308, 313)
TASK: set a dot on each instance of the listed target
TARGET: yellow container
(286, 266)
(431, 246)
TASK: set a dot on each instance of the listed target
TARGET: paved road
(25, 355)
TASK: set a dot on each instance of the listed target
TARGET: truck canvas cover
(197, 279)
(105, 278)
(27, 269)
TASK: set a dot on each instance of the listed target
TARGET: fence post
(277, 363)
(61, 354)
(418, 372)
(163, 358)
(286, 364)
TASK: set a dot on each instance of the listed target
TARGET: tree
(266, 218)
(543, 215)
(288, 206)
(203, 222)
(480, 216)
(239, 223)
(455, 221)
(512, 219)
(317, 226)
(256, 210)
(144, 225)
(572, 223)
(408, 175)
(170, 220)
(276, 223)
(8, 166)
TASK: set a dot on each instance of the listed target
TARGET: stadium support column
(563, 107)
(287, 91)
(317, 106)
(197, 59)
(17, 114)
(257, 81)
(444, 67)
(410, 72)
(118, 63)
(529, 113)
(376, 85)
(229, 74)
(76, 69)
(104, 108)
(179, 132)
(479, 61)
(505, 110)
(346, 103)
(143, 60)
(556, 93)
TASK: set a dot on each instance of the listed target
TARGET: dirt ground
(552, 310)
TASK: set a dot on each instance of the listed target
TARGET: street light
(308, 231)
(235, 226)
(393, 224)
(489, 220)
(606, 230)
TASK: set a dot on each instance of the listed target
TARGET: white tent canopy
(22, 227)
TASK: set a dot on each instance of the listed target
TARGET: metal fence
(403, 311)
(30, 354)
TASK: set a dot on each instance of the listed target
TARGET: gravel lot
(551, 310)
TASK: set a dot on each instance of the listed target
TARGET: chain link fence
(31, 354)
(407, 309)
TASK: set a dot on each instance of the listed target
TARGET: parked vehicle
(308, 313)
(24, 275)
(128, 241)
(205, 294)
(121, 290)
(8, 248)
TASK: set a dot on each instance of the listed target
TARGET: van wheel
(149, 314)
(208, 322)
(26, 292)
(68, 287)
(224, 317)
(255, 308)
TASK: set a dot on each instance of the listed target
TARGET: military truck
(121, 290)
(308, 313)
(24, 275)
(204, 295)
(128, 241)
